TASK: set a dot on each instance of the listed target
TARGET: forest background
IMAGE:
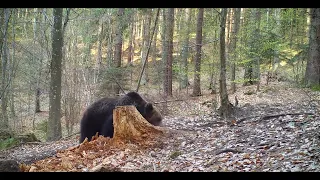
(55, 62)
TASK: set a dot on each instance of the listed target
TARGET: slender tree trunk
(99, 54)
(229, 29)
(170, 26)
(131, 37)
(25, 24)
(197, 62)
(154, 46)
(185, 48)
(252, 68)
(148, 50)
(13, 67)
(2, 23)
(35, 39)
(276, 59)
(54, 123)
(118, 46)
(213, 75)
(118, 39)
(291, 26)
(257, 37)
(109, 40)
(164, 51)
(226, 108)
(141, 46)
(233, 45)
(146, 41)
(4, 68)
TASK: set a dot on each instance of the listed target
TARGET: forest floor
(276, 129)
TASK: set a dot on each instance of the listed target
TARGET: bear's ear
(148, 107)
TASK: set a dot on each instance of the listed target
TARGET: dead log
(130, 125)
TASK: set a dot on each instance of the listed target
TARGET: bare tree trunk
(252, 68)
(197, 62)
(154, 46)
(76, 88)
(99, 54)
(213, 71)
(257, 37)
(37, 89)
(312, 74)
(131, 37)
(167, 38)
(2, 26)
(142, 39)
(118, 46)
(226, 108)
(25, 24)
(233, 45)
(4, 68)
(292, 19)
(148, 50)
(229, 29)
(145, 44)
(140, 27)
(54, 123)
(13, 68)
(185, 48)
(109, 40)
(170, 23)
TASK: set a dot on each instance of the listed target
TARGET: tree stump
(132, 133)
(130, 125)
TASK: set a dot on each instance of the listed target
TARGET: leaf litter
(279, 131)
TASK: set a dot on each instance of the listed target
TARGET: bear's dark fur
(98, 117)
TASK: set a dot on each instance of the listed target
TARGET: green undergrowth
(315, 88)
(8, 143)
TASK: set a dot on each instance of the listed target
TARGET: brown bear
(98, 117)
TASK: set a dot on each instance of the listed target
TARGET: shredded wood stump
(131, 134)
(130, 125)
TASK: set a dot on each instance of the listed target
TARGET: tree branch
(146, 58)
(45, 15)
(266, 117)
(66, 20)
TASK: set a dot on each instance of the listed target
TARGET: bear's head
(152, 115)
(146, 109)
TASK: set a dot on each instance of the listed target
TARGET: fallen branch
(284, 114)
(272, 116)
(245, 118)
(37, 143)
(229, 150)
(169, 101)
